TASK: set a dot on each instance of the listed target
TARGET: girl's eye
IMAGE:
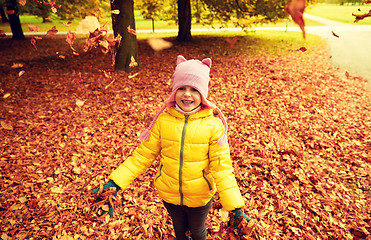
(194, 90)
(181, 88)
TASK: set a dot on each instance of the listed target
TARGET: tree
(123, 24)
(184, 20)
(15, 23)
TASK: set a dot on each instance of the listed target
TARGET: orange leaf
(33, 28)
(52, 31)
(296, 9)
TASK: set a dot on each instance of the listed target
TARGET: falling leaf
(296, 9)
(131, 31)
(159, 44)
(22, 2)
(54, 9)
(33, 28)
(116, 11)
(79, 103)
(334, 34)
(347, 74)
(10, 12)
(232, 41)
(67, 24)
(70, 39)
(6, 95)
(21, 73)
(52, 31)
(62, 56)
(6, 126)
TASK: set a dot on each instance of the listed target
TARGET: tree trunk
(4, 18)
(185, 20)
(127, 51)
(15, 23)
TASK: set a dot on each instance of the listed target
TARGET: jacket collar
(205, 112)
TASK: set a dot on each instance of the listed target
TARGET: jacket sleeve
(142, 157)
(222, 171)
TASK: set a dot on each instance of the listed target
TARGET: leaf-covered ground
(299, 136)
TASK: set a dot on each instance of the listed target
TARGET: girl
(195, 157)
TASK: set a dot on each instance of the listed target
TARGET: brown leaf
(296, 9)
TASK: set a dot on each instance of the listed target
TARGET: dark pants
(188, 218)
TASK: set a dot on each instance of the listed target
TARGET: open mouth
(187, 102)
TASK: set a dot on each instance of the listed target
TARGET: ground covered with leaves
(299, 136)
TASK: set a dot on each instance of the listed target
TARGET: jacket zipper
(160, 172)
(204, 176)
(181, 160)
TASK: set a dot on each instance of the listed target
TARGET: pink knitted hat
(194, 73)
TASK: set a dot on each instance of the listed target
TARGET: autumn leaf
(6, 95)
(70, 39)
(10, 12)
(22, 2)
(33, 28)
(159, 44)
(52, 31)
(67, 24)
(232, 41)
(131, 31)
(334, 34)
(133, 63)
(17, 65)
(80, 103)
(302, 49)
(296, 9)
(6, 126)
(21, 73)
(115, 11)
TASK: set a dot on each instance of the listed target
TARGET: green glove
(241, 223)
(239, 215)
(108, 185)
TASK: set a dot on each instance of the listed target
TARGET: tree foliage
(67, 9)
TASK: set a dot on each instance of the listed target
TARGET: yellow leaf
(21, 73)
(22, 199)
(80, 103)
(6, 95)
(6, 125)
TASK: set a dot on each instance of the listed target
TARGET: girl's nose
(187, 92)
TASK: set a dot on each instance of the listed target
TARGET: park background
(299, 134)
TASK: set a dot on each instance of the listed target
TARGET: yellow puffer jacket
(192, 168)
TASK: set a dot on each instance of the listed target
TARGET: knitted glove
(101, 210)
(239, 220)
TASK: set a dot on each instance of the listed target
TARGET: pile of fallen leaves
(299, 136)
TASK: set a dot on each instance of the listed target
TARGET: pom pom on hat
(194, 73)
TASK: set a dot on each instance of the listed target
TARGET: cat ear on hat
(180, 59)
(207, 61)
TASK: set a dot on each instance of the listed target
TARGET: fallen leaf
(17, 65)
(80, 103)
(6, 126)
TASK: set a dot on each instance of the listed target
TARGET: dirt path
(349, 45)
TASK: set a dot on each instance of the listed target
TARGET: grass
(340, 13)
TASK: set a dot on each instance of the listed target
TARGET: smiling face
(187, 98)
